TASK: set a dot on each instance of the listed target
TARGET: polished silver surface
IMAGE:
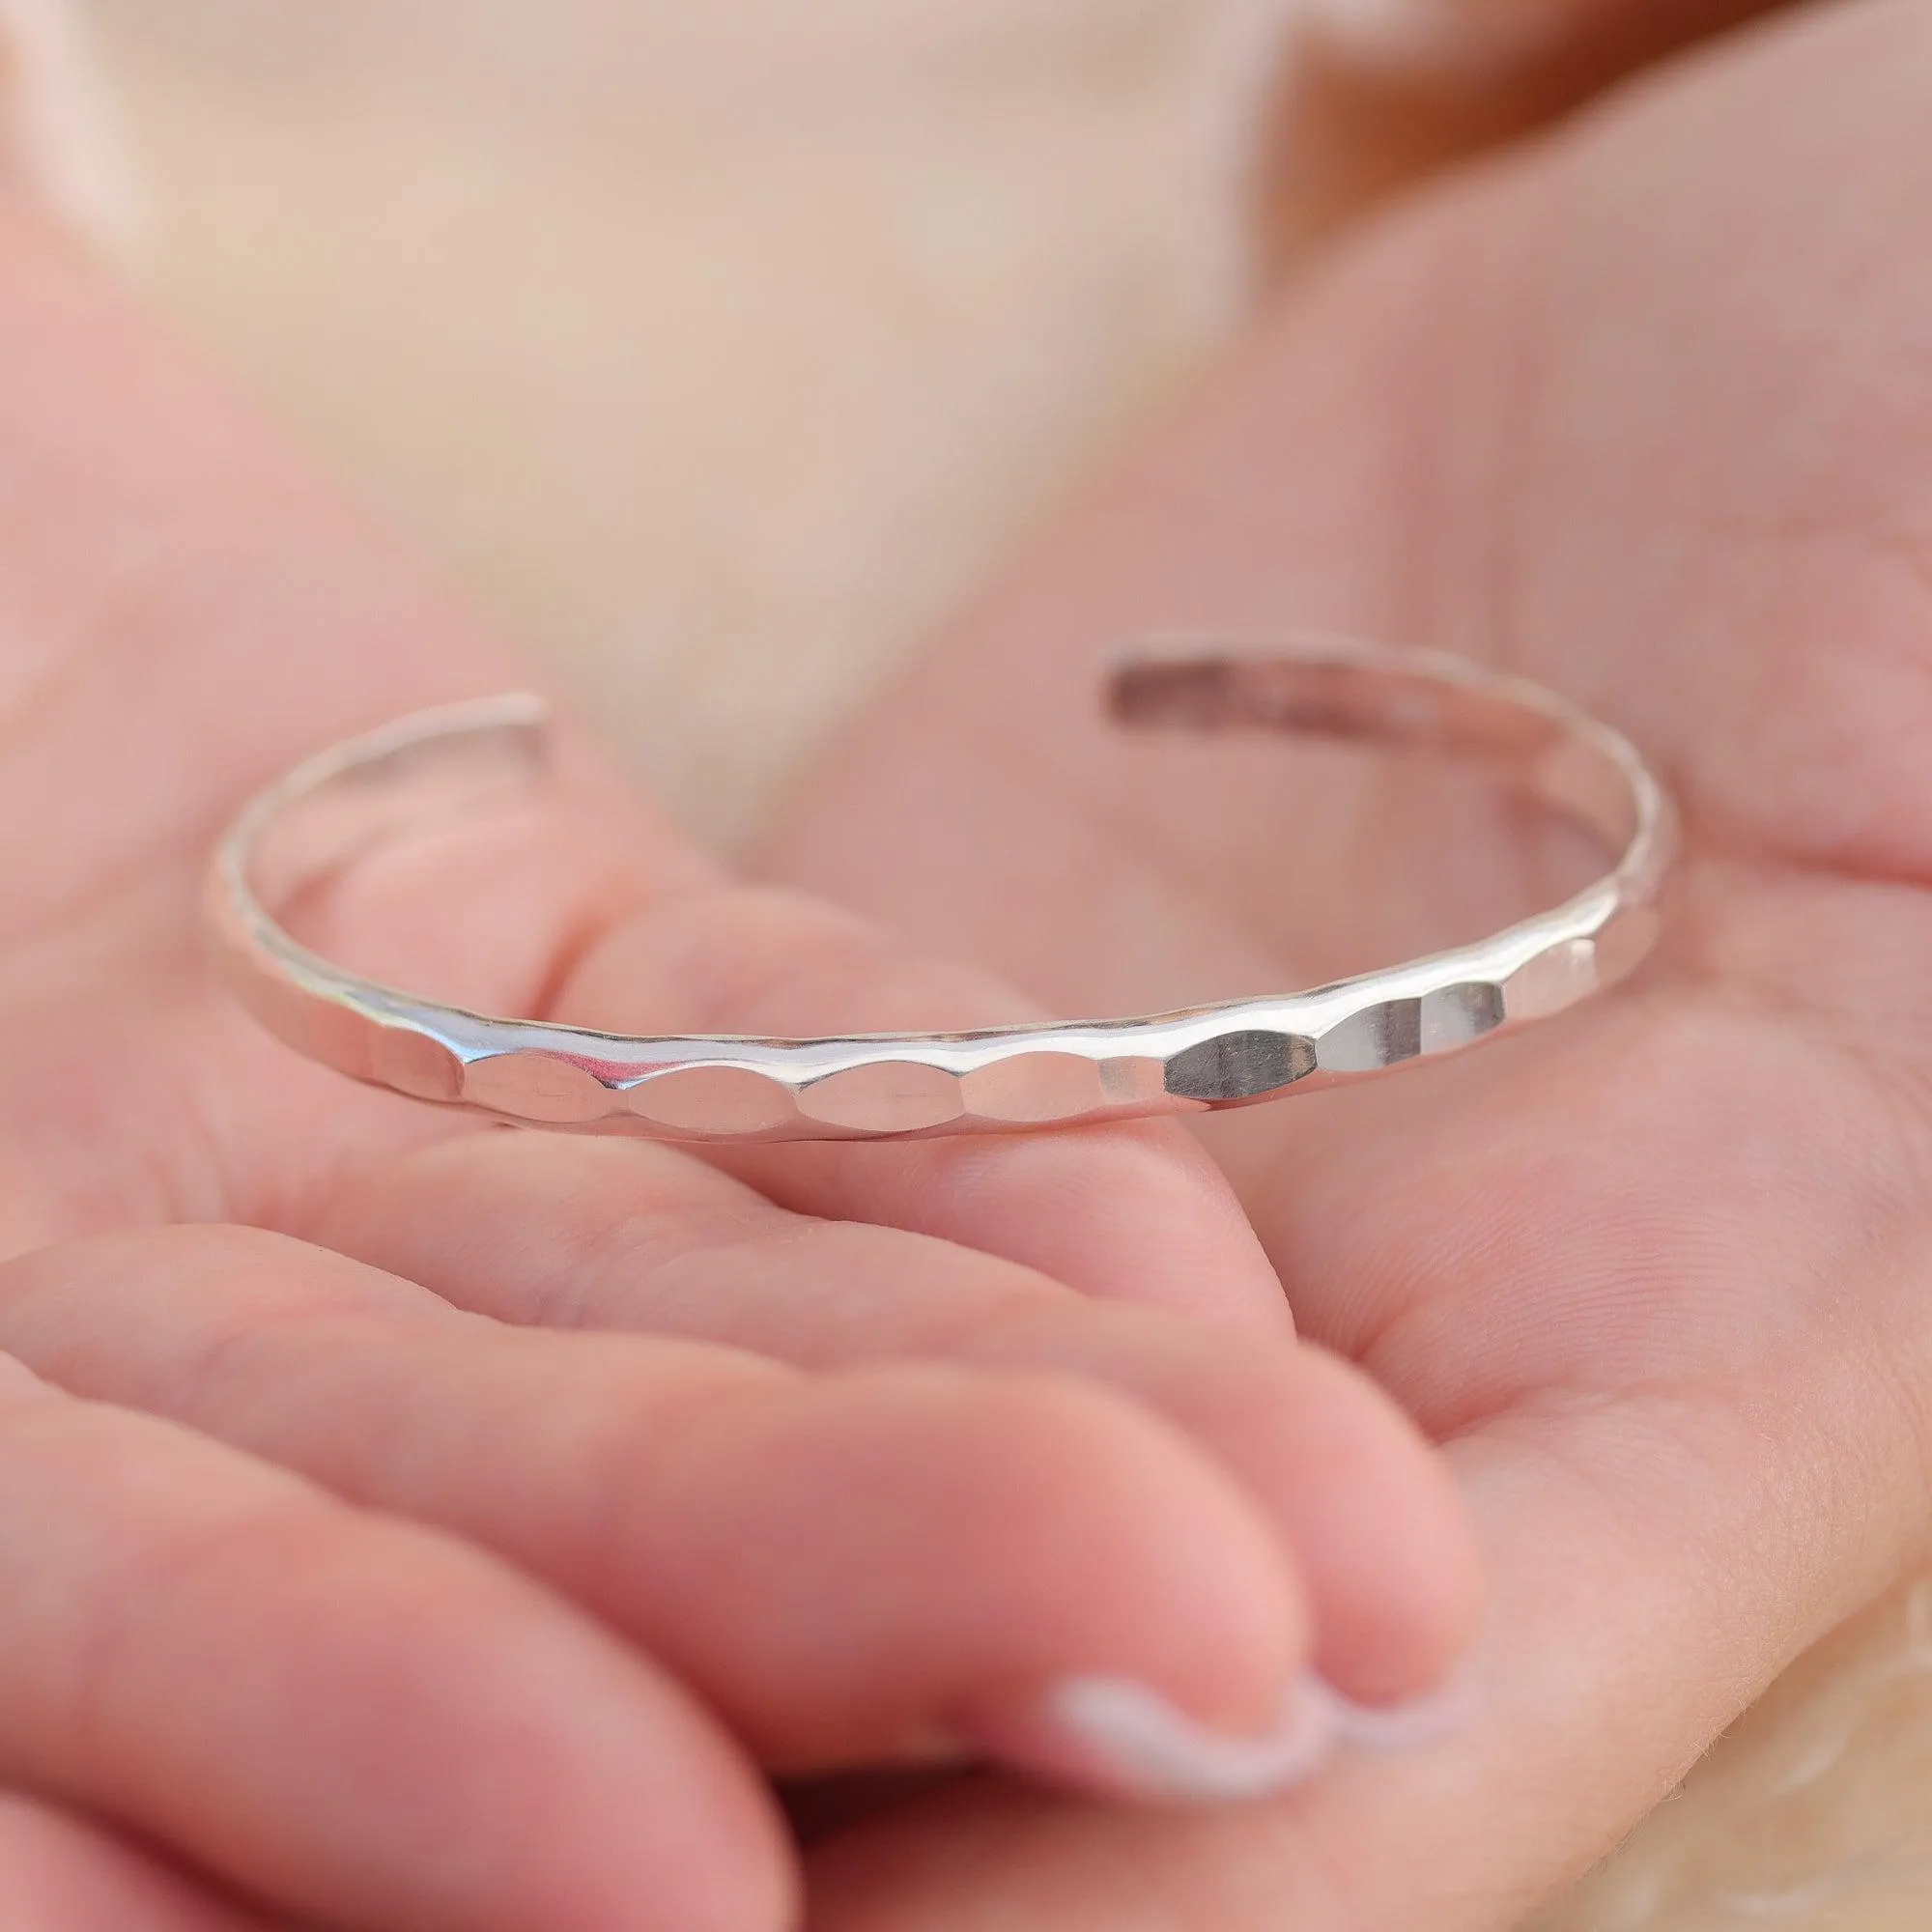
(874, 1086)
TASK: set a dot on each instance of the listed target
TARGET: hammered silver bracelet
(1005, 1079)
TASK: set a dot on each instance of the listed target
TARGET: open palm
(1646, 414)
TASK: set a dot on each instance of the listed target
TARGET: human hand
(365, 1593)
(1645, 413)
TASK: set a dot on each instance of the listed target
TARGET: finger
(350, 1718)
(620, 1236)
(61, 1874)
(1129, 1213)
(845, 1567)
(1134, 1212)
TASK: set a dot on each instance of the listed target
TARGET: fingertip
(1016, 1531)
(1379, 1531)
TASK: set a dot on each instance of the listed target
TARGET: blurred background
(720, 351)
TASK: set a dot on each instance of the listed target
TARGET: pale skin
(1643, 414)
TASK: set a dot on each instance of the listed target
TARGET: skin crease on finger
(1644, 412)
(60, 1875)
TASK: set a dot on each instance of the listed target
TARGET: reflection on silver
(1010, 1079)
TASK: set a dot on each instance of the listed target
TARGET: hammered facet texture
(1010, 1079)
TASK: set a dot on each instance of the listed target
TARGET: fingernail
(1409, 1725)
(1132, 1742)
